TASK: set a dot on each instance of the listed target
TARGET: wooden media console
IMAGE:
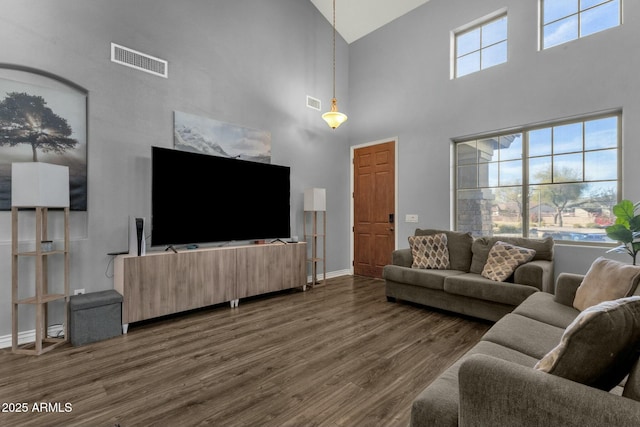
(162, 283)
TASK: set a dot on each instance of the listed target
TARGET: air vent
(314, 103)
(138, 60)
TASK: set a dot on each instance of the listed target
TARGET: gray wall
(400, 85)
(251, 63)
(246, 62)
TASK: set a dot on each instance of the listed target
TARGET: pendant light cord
(334, 48)
(333, 117)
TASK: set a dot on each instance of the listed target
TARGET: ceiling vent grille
(138, 60)
(314, 103)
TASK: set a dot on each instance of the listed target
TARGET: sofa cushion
(430, 251)
(432, 279)
(502, 352)
(542, 306)
(606, 280)
(475, 286)
(528, 336)
(632, 385)
(482, 245)
(599, 347)
(503, 259)
(459, 245)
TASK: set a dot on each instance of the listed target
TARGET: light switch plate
(411, 218)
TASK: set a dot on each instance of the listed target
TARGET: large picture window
(566, 20)
(560, 181)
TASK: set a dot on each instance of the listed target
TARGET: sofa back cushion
(600, 346)
(458, 244)
(482, 245)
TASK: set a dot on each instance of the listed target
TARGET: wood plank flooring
(336, 355)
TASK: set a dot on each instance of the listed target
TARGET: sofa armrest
(566, 286)
(498, 393)
(402, 257)
(538, 274)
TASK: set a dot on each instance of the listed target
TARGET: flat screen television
(198, 198)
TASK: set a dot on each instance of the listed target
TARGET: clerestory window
(566, 20)
(481, 46)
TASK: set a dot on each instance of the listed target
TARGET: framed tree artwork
(43, 118)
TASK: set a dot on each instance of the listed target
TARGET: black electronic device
(199, 198)
(137, 243)
(140, 233)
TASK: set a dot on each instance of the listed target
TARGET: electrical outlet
(78, 291)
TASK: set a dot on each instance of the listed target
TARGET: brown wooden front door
(373, 208)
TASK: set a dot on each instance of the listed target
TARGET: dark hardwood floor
(335, 355)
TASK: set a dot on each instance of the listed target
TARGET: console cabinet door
(157, 285)
(251, 271)
(296, 266)
(259, 270)
(269, 268)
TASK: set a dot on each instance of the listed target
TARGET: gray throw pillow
(600, 346)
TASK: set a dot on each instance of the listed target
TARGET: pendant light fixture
(334, 118)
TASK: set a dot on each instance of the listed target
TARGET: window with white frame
(481, 46)
(560, 180)
(566, 20)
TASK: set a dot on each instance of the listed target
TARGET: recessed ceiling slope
(357, 18)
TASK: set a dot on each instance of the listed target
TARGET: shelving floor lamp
(39, 187)
(315, 201)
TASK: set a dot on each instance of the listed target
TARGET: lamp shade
(39, 184)
(334, 118)
(315, 199)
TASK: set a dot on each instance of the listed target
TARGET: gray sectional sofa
(495, 383)
(462, 288)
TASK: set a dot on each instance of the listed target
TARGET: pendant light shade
(334, 118)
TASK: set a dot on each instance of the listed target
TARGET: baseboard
(331, 275)
(29, 336)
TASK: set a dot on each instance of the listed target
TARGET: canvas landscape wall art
(208, 136)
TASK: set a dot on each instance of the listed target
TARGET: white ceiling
(357, 18)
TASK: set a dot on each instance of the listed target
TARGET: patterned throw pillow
(600, 346)
(430, 251)
(503, 260)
